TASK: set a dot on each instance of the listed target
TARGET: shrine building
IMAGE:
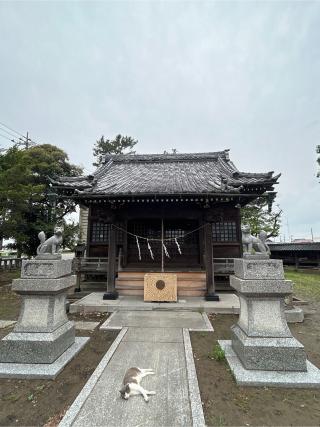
(165, 212)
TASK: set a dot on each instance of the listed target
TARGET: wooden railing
(10, 263)
(91, 265)
(223, 265)
(99, 265)
(95, 266)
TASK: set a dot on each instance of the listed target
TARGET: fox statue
(52, 244)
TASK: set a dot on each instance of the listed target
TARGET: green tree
(259, 216)
(70, 235)
(119, 145)
(25, 207)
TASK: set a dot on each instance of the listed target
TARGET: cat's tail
(42, 238)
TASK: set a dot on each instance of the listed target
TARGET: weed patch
(217, 353)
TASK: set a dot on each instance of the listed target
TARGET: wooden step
(190, 283)
(181, 283)
(185, 293)
(136, 275)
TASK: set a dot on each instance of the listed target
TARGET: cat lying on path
(131, 383)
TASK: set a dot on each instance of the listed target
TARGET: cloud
(197, 76)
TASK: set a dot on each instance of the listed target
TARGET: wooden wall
(225, 220)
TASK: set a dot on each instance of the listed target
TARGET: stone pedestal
(43, 332)
(261, 340)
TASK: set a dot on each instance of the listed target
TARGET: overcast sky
(195, 76)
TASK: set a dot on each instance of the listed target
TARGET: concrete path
(157, 319)
(149, 340)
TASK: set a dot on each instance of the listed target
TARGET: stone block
(39, 286)
(258, 269)
(42, 370)
(50, 268)
(259, 378)
(268, 286)
(43, 307)
(42, 313)
(257, 255)
(268, 354)
(294, 315)
(36, 347)
(263, 318)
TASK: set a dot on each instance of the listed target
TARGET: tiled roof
(287, 247)
(148, 174)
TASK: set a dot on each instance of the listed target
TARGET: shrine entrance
(183, 253)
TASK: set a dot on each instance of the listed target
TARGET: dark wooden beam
(111, 274)
(89, 232)
(125, 245)
(211, 290)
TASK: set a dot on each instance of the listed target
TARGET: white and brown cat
(131, 383)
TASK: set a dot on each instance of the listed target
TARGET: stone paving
(158, 319)
(6, 323)
(85, 326)
(157, 340)
(228, 304)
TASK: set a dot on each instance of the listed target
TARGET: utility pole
(27, 141)
(288, 228)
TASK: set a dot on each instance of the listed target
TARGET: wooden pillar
(125, 245)
(78, 274)
(211, 291)
(201, 246)
(111, 289)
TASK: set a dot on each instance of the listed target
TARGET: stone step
(181, 293)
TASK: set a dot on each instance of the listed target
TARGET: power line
(9, 133)
(6, 137)
(26, 138)
(13, 130)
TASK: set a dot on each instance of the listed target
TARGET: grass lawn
(6, 277)
(9, 301)
(306, 283)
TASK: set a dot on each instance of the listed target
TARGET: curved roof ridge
(167, 156)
